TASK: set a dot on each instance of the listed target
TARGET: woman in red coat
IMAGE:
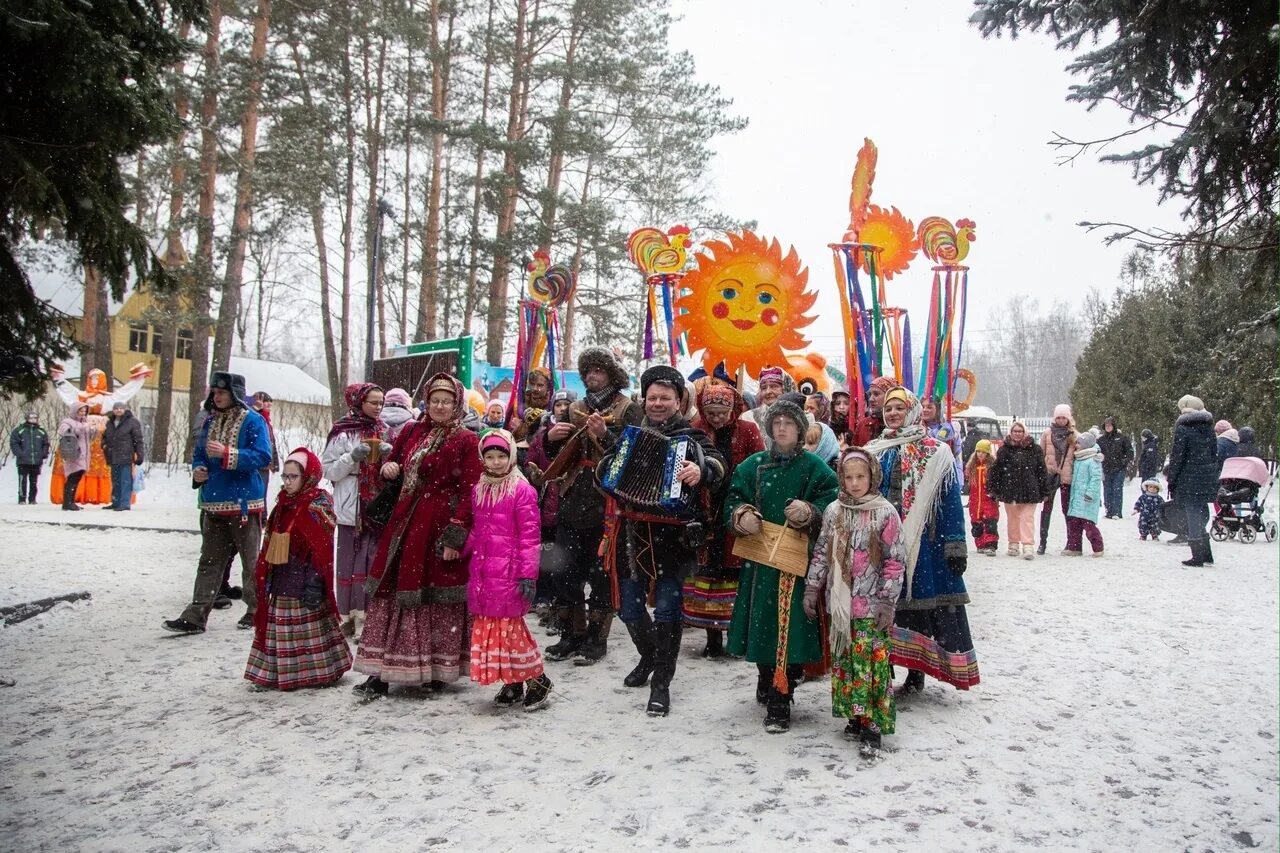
(709, 594)
(417, 626)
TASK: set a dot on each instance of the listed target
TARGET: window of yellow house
(138, 337)
(184, 343)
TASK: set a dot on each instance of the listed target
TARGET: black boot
(914, 682)
(1197, 554)
(666, 642)
(570, 640)
(642, 635)
(715, 644)
(764, 677)
(537, 692)
(1044, 532)
(509, 695)
(596, 644)
(777, 717)
(371, 687)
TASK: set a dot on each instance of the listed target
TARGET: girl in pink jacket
(504, 548)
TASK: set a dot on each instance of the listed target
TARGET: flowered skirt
(413, 645)
(708, 602)
(862, 680)
(301, 647)
(502, 649)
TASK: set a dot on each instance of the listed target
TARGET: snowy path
(1126, 703)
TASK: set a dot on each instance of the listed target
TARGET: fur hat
(1188, 403)
(784, 408)
(1151, 482)
(1062, 410)
(232, 382)
(1221, 426)
(1085, 440)
(664, 375)
(603, 359)
(398, 397)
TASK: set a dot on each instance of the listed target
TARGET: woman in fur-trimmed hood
(919, 480)
(416, 623)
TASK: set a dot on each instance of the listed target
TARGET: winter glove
(884, 619)
(798, 514)
(956, 564)
(527, 589)
(811, 594)
(747, 520)
(384, 449)
(359, 453)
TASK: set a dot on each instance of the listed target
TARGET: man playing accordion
(660, 526)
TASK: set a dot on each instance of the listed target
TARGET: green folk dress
(769, 483)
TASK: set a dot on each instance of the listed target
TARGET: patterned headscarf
(493, 488)
(447, 382)
(355, 420)
(823, 406)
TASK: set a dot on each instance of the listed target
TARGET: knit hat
(232, 382)
(1188, 403)
(772, 374)
(1062, 410)
(983, 446)
(1085, 440)
(1151, 482)
(1246, 433)
(663, 375)
(1221, 426)
(603, 359)
(785, 408)
(1146, 433)
(496, 439)
(398, 397)
(717, 397)
(1231, 435)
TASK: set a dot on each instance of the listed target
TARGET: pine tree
(104, 66)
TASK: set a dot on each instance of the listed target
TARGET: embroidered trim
(253, 507)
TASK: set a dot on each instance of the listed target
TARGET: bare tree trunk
(473, 262)
(316, 212)
(428, 294)
(97, 326)
(349, 197)
(229, 309)
(406, 215)
(579, 251)
(204, 224)
(140, 199)
(170, 303)
(516, 117)
(373, 158)
(559, 130)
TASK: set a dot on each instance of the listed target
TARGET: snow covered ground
(1126, 703)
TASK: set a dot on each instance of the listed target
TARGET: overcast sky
(961, 124)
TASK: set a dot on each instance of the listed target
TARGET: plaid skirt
(301, 647)
(502, 649)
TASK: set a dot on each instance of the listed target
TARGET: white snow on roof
(282, 381)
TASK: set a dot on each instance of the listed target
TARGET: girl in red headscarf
(709, 594)
(296, 638)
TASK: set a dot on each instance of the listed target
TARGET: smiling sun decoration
(744, 303)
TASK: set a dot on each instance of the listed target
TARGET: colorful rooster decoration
(944, 243)
(660, 256)
(550, 286)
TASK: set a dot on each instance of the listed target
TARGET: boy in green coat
(788, 485)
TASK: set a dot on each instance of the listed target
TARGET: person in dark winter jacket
(122, 448)
(1117, 453)
(29, 444)
(1148, 510)
(1150, 458)
(1246, 447)
(1020, 481)
(1193, 474)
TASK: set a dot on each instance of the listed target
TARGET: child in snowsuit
(297, 641)
(1148, 509)
(984, 510)
(1086, 498)
(858, 561)
(504, 548)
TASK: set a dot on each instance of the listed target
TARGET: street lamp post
(375, 261)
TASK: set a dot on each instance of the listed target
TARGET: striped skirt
(502, 649)
(413, 645)
(301, 647)
(708, 602)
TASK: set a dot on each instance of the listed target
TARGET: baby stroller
(1238, 509)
